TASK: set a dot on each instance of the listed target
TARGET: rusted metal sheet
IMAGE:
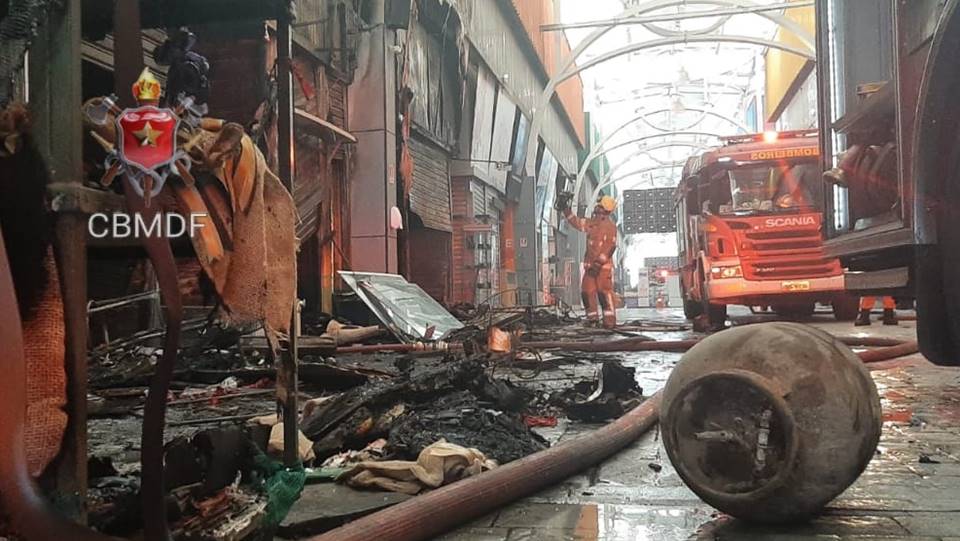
(337, 101)
(434, 76)
(483, 114)
(553, 48)
(502, 140)
(430, 194)
(496, 32)
(307, 192)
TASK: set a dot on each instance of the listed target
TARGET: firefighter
(597, 283)
(866, 305)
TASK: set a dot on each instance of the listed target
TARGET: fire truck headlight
(726, 272)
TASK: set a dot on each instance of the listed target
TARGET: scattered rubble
(401, 422)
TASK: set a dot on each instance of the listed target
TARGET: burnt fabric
(256, 277)
(27, 234)
(596, 287)
(43, 337)
(437, 465)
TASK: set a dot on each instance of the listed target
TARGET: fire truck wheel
(691, 308)
(846, 308)
(716, 315)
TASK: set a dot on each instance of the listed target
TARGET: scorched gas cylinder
(770, 422)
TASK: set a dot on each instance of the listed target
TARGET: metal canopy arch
(706, 112)
(607, 179)
(566, 72)
(597, 151)
(665, 134)
(534, 135)
(641, 172)
(682, 40)
(645, 170)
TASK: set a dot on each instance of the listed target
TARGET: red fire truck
(749, 225)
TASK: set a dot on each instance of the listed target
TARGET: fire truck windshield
(781, 187)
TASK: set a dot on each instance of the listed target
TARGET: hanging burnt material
(187, 75)
(19, 20)
(770, 422)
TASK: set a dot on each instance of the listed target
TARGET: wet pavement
(910, 491)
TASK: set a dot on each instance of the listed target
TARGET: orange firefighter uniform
(866, 306)
(597, 283)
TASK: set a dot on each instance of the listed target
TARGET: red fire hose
(902, 349)
(433, 513)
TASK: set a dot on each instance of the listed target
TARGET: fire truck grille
(786, 242)
(786, 269)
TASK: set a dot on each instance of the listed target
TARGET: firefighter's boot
(863, 319)
(889, 317)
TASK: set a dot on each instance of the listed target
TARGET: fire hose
(440, 510)
(152, 493)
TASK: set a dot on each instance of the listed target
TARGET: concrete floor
(637, 495)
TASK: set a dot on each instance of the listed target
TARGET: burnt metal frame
(55, 97)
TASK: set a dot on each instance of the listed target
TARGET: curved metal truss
(608, 179)
(601, 147)
(569, 69)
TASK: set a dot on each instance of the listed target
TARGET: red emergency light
(769, 137)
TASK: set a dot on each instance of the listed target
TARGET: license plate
(796, 285)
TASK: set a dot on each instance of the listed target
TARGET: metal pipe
(435, 512)
(608, 23)
(289, 373)
(287, 369)
(152, 491)
(117, 302)
(626, 344)
(401, 348)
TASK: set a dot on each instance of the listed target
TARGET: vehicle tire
(691, 308)
(846, 307)
(716, 315)
(795, 311)
(936, 156)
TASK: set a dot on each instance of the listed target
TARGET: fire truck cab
(749, 226)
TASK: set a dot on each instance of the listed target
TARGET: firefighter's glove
(562, 201)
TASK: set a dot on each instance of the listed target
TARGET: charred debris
(415, 410)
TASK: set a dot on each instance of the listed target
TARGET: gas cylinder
(770, 422)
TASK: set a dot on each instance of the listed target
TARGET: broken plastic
(402, 307)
